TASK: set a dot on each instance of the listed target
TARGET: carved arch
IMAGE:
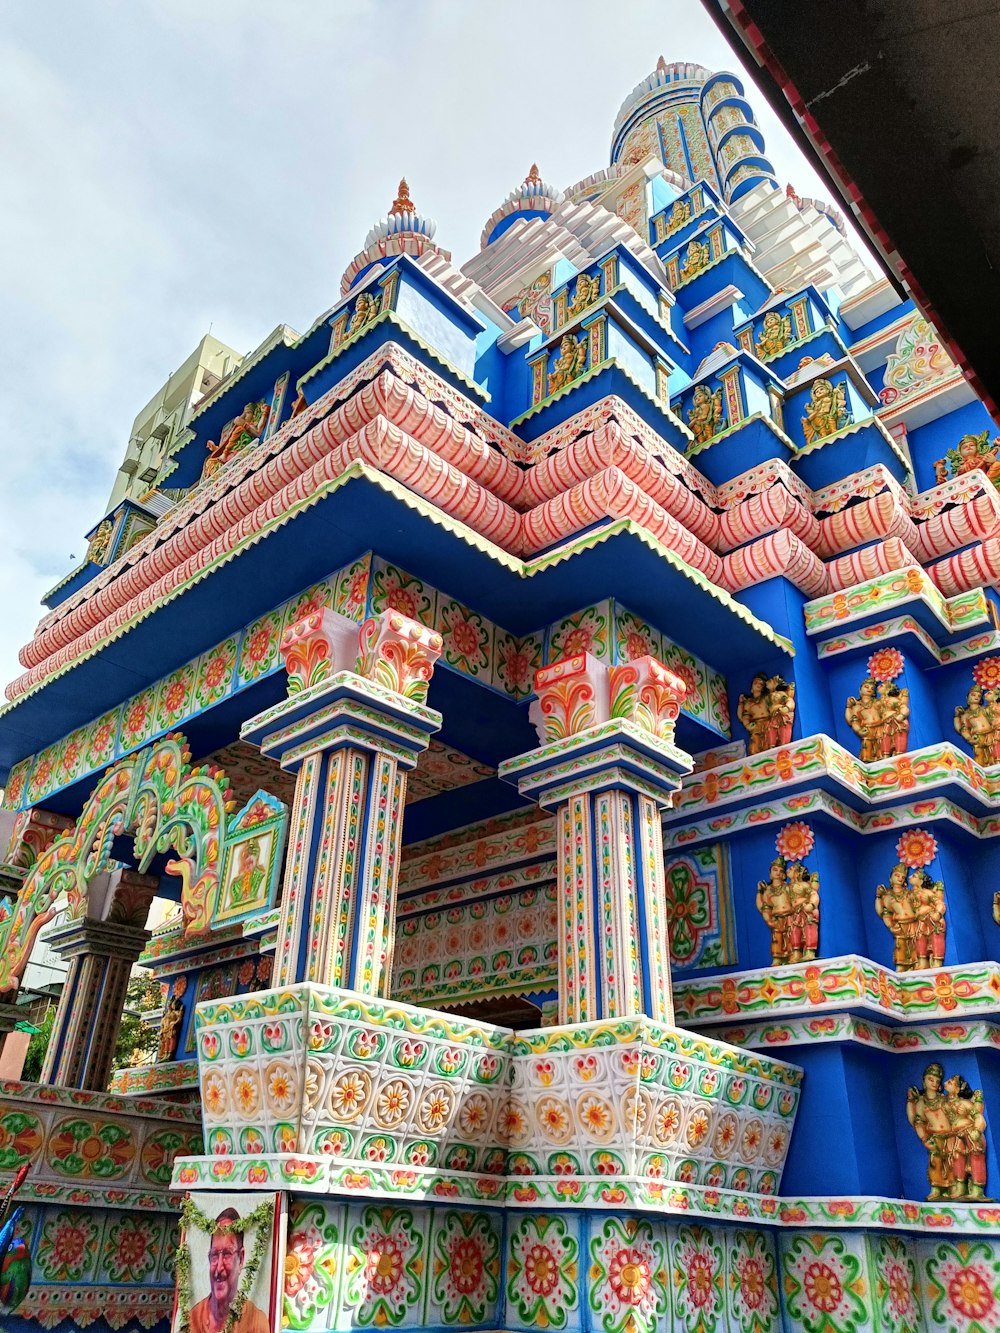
(156, 796)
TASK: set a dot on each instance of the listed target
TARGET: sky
(171, 166)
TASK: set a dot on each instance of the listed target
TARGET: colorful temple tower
(561, 694)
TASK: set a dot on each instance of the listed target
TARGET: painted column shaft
(350, 739)
(90, 1008)
(338, 913)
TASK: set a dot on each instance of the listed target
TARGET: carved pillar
(350, 739)
(607, 766)
(101, 955)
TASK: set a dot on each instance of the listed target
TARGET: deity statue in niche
(366, 308)
(894, 703)
(571, 362)
(914, 912)
(767, 712)
(706, 417)
(697, 258)
(880, 717)
(586, 292)
(893, 906)
(170, 1029)
(781, 711)
(774, 903)
(679, 216)
(239, 432)
(947, 1116)
(775, 334)
(789, 903)
(100, 543)
(977, 721)
(970, 453)
(826, 411)
(973, 724)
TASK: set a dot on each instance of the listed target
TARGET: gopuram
(561, 694)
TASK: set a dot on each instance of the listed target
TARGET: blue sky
(170, 165)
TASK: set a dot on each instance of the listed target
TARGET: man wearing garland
(226, 1257)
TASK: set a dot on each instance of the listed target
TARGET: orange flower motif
(795, 841)
(885, 664)
(916, 848)
(987, 673)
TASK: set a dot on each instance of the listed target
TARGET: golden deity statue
(706, 417)
(826, 411)
(977, 721)
(697, 258)
(571, 362)
(789, 903)
(170, 1029)
(366, 308)
(971, 452)
(947, 1116)
(100, 543)
(914, 912)
(236, 435)
(775, 334)
(586, 292)
(679, 216)
(880, 716)
(767, 712)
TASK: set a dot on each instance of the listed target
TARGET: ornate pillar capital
(102, 939)
(601, 727)
(332, 705)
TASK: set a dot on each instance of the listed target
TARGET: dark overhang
(898, 103)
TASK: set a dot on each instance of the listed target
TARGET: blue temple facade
(560, 692)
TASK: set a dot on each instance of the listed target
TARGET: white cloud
(168, 166)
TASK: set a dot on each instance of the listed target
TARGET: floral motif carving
(399, 654)
(316, 646)
(649, 694)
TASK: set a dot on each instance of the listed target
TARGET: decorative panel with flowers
(961, 1279)
(826, 1285)
(544, 1272)
(372, 1265)
(501, 945)
(700, 908)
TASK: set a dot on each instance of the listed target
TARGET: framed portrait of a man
(229, 1265)
(251, 861)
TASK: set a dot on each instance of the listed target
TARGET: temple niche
(557, 697)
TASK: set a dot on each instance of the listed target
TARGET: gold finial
(402, 203)
(533, 177)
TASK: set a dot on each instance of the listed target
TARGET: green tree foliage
(38, 1046)
(138, 1042)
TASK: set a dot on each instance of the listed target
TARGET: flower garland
(259, 1221)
